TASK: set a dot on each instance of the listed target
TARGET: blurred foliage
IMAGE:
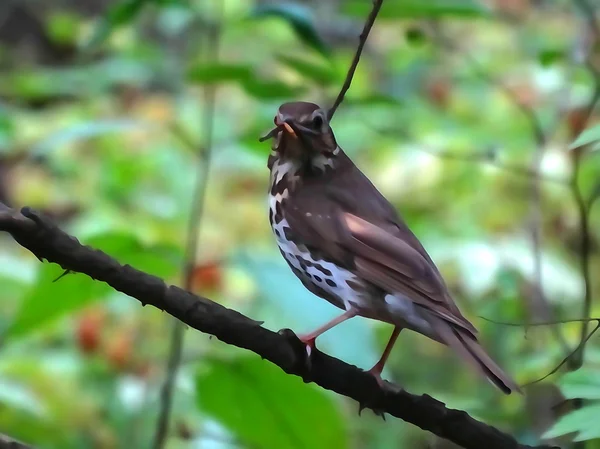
(100, 110)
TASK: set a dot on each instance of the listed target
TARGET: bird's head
(302, 132)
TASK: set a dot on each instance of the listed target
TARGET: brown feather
(472, 352)
(336, 212)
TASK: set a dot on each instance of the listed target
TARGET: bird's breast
(321, 276)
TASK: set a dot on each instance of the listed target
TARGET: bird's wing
(379, 251)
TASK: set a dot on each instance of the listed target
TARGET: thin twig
(514, 169)
(361, 43)
(481, 157)
(195, 218)
(578, 196)
(569, 356)
(584, 260)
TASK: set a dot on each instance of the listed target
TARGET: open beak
(288, 128)
(279, 126)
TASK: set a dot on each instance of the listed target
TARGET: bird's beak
(287, 128)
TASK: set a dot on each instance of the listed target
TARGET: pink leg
(378, 367)
(309, 339)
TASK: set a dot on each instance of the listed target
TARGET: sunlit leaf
(416, 8)
(300, 19)
(266, 408)
(588, 136)
(583, 421)
(583, 383)
(18, 396)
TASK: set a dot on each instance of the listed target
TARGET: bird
(347, 244)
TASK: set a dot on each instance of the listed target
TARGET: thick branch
(47, 241)
(7, 442)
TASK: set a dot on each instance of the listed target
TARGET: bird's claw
(305, 351)
(376, 411)
(385, 387)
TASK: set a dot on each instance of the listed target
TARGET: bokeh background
(462, 112)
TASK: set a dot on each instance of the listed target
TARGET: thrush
(348, 245)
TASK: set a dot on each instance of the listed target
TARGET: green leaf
(118, 15)
(266, 408)
(157, 259)
(269, 89)
(320, 73)
(373, 100)
(252, 84)
(219, 73)
(415, 36)
(85, 130)
(550, 56)
(48, 300)
(584, 421)
(300, 19)
(62, 27)
(588, 136)
(19, 396)
(395, 9)
(582, 383)
(7, 130)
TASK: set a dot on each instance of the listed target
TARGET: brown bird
(348, 245)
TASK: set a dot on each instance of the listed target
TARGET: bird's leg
(310, 338)
(378, 367)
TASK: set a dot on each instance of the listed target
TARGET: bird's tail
(469, 349)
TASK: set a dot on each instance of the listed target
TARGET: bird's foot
(376, 373)
(305, 348)
(385, 386)
(309, 343)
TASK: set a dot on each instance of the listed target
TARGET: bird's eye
(317, 122)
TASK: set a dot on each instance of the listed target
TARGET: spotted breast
(323, 278)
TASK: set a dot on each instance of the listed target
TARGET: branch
(283, 349)
(7, 442)
(515, 169)
(197, 208)
(361, 43)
